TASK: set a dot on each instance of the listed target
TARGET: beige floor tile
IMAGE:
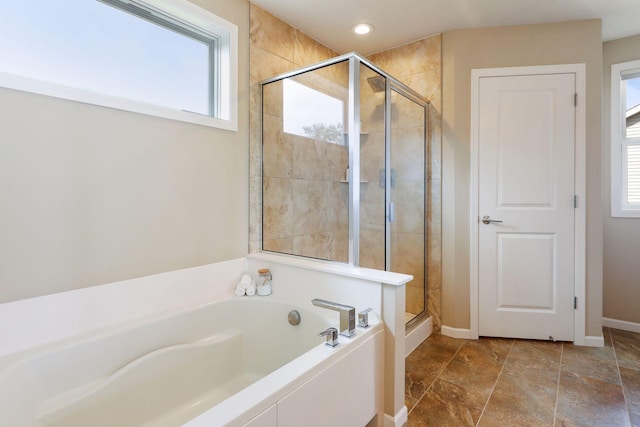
(425, 363)
(585, 401)
(627, 348)
(495, 382)
(447, 404)
(631, 386)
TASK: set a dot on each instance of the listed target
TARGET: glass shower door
(304, 162)
(372, 224)
(407, 207)
(344, 170)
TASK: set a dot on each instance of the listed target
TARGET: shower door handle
(392, 211)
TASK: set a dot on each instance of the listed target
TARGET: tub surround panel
(299, 377)
(301, 408)
(301, 282)
(263, 260)
(51, 318)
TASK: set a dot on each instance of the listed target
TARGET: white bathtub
(231, 362)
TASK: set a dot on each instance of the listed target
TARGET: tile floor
(507, 382)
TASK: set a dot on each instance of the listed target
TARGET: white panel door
(526, 139)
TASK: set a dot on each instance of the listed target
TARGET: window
(165, 58)
(311, 113)
(625, 139)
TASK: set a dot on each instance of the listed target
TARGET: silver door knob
(487, 220)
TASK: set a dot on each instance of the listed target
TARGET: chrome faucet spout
(347, 315)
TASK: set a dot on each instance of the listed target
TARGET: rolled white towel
(240, 291)
(251, 289)
(245, 280)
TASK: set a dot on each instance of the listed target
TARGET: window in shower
(305, 156)
(312, 113)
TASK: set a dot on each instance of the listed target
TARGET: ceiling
(397, 22)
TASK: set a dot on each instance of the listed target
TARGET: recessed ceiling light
(361, 29)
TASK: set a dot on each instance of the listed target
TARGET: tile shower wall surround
(275, 48)
(299, 196)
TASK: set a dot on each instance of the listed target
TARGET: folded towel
(240, 291)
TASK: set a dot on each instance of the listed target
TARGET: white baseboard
(417, 335)
(592, 341)
(455, 332)
(621, 324)
(398, 420)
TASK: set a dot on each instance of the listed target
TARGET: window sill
(39, 87)
(625, 213)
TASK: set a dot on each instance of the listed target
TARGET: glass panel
(408, 196)
(312, 113)
(372, 167)
(631, 149)
(632, 106)
(305, 159)
(633, 174)
(93, 46)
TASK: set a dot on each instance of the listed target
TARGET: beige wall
(91, 195)
(621, 235)
(464, 50)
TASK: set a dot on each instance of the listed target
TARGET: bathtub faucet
(347, 315)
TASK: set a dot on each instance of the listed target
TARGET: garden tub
(231, 362)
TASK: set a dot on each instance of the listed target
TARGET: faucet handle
(332, 336)
(363, 318)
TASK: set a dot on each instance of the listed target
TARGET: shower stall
(344, 163)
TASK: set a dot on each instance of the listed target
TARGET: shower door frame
(415, 97)
(355, 60)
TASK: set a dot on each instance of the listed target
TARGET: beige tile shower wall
(275, 48)
(419, 65)
(306, 209)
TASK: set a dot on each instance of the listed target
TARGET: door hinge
(575, 303)
(575, 99)
(575, 200)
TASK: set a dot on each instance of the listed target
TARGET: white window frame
(226, 80)
(619, 205)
